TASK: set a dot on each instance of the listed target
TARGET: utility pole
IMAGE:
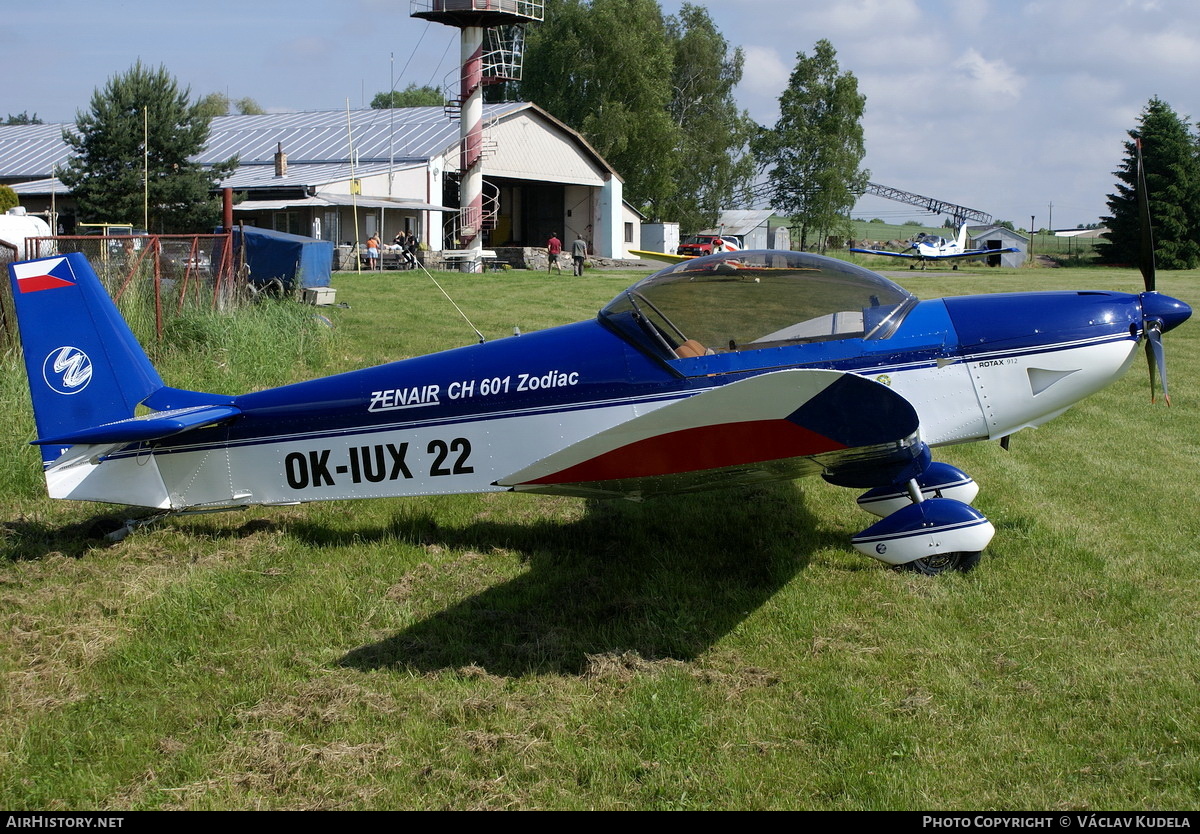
(146, 169)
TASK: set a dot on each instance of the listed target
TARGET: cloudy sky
(1002, 106)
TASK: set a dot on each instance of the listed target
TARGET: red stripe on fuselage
(697, 449)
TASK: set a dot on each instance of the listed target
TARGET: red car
(698, 245)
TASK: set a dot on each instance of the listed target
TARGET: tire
(961, 561)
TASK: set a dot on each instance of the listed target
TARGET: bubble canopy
(750, 300)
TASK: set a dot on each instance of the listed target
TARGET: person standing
(553, 248)
(411, 244)
(579, 254)
(373, 252)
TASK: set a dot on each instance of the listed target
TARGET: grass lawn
(718, 651)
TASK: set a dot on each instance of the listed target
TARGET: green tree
(23, 118)
(106, 172)
(247, 106)
(219, 104)
(213, 105)
(816, 146)
(8, 199)
(604, 67)
(714, 163)
(410, 96)
(1172, 166)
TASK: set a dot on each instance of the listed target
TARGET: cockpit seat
(689, 349)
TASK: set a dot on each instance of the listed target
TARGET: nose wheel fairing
(933, 527)
(927, 522)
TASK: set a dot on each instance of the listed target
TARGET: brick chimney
(280, 162)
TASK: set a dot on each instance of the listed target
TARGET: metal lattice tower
(760, 194)
(961, 214)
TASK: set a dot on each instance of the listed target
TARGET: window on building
(286, 221)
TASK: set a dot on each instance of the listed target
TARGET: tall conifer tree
(1172, 164)
(142, 125)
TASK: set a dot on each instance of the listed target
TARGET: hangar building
(342, 176)
(998, 237)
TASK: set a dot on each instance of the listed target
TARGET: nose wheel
(961, 561)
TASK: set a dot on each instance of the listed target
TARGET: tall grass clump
(18, 468)
(135, 301)
(272, 342)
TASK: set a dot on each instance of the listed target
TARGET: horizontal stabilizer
(156, 426)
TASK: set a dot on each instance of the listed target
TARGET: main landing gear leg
(133, 524)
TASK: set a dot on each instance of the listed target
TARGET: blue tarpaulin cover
(290, 258)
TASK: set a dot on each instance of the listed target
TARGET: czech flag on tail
(47, 274)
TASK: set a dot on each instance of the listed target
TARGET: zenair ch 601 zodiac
(720, 371)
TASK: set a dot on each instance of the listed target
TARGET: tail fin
(85, 366)
(962, 238)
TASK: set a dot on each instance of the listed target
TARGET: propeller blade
(1151, 327)
(1156, 358)
(1146, 255)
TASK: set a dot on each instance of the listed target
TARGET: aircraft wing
(773, 426)
(883, 252)
(970, 253)
(660, 256)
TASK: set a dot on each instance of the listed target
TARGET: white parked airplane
(929, 247)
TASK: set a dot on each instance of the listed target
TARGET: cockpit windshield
(741, 301)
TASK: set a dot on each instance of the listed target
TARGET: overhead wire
(438, 68)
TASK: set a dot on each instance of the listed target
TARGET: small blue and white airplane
(929, 247)
(720, 371)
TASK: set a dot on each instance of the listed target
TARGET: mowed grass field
(718, 651)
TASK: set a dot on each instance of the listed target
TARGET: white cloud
(888, 16)
(764, 77)
(969, 16)
(989, 84)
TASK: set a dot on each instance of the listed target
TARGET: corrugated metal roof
(995, 230)
(329, 200)
(379, 135)
(407, 133)
(50, 185)
(302, 175)
(32, 150)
